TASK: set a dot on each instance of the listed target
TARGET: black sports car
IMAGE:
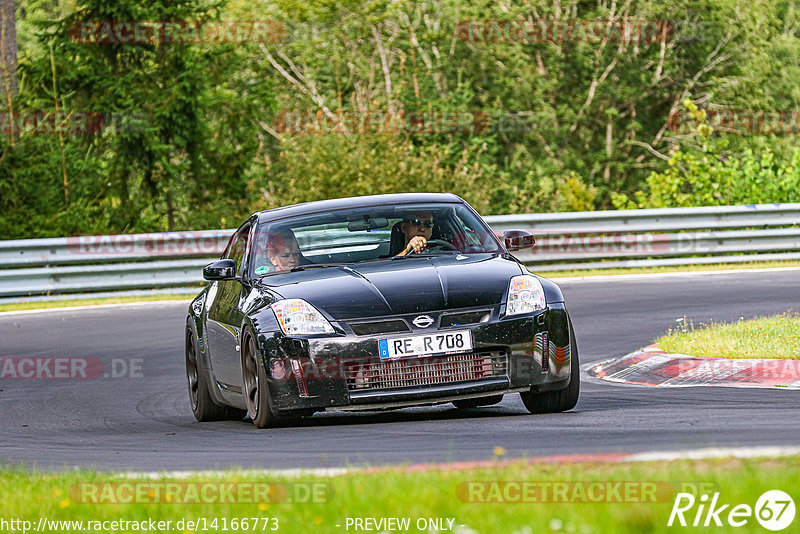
(372, 303)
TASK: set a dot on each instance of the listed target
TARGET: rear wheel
(256, 386)
(475, 403)
(562, 399)
(203, 406)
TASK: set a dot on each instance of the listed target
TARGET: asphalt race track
(143, 422)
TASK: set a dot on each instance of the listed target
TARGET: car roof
(355, 202)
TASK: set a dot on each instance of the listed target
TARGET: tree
(172, 148)
(8, 54)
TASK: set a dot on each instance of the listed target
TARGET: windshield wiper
(410, 255)
(303, 268)
(315, 266)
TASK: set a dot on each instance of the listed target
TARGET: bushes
(708, 181)
(311, 167)
(713, 177)
(583, 125)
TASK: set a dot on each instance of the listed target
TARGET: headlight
(525, 295)
(298, 318)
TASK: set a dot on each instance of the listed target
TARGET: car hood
(410, 285)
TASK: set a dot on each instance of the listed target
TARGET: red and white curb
(652, 366)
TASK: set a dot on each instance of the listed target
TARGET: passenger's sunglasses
(417, 222)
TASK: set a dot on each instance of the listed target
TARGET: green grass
(777, 336)
(41, 305)
(542, 269)
(427, 494)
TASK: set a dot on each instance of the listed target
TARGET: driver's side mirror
(518, 239)
(220, 270)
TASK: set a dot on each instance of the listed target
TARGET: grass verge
(522, 498)
(542, 269)
(45, 304)
(777, 336)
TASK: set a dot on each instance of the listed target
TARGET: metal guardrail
(578, 240)
(658, 237)
(112, 248)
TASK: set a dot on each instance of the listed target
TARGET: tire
(255, 386)
(475, 403)
(203, 406)
(563, 399)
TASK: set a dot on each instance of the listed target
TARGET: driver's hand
(416, 245)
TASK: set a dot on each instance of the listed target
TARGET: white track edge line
(99, 306)
(766, 451)
(715, 453)
(647, 276)
(284, 473)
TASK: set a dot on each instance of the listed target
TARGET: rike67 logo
(774, 510)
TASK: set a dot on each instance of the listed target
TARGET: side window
(471, 238)
(238, 247)
(468, 239)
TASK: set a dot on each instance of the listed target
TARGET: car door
(225, 316)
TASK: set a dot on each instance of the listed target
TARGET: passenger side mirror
(518, 239)
(220, 270)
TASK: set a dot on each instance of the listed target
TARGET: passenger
(417, 228)
(283, 251)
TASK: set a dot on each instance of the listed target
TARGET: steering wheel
(440, 243)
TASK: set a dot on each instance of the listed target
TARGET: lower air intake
(413, 372)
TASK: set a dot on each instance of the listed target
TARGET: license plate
(438, 343)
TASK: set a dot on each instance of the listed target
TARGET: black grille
(411, 372)
(379, 327)
(457, 319)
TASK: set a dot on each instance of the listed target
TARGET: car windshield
(368, 234)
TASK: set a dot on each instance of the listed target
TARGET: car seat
(397, 241)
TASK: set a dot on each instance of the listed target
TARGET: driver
(417, 228)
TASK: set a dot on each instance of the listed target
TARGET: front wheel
(563, 399)
(256, 386)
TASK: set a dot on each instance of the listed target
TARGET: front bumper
(509, 355)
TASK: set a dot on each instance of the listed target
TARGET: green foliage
(195, 141)
(712, 178)
(708, 181)
(307, 172)
(176, 131)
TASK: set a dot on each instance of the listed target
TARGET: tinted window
(238, 247)
(375, 233)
